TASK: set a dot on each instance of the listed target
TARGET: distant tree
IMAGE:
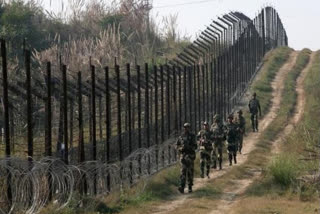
(18, 21)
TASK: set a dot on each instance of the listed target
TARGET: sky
(299, 17)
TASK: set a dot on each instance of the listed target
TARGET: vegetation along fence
(108, 127)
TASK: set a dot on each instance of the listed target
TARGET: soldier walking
(254, 108)
(186, 146)
(232, 134)
(219, 137)
(241, 122)
(205, 138)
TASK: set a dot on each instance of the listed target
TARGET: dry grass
(276, 205)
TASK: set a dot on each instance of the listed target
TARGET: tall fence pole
(180, 97)
(129, 118)
(168, 111)
(6, 114)
(29, 104)
(156, 113)
(108, 123)
(139, 116)
(147, 114)
(48, 138)
(65, 114)
(48, 128)
(93, 118)
(162, 109)
(195, 101)
(119, 129)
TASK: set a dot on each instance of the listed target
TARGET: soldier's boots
(235, 159)
(202, 174)
(190, 189)
(181, 189)
(214, 166)
(208, 170)
(230, 160)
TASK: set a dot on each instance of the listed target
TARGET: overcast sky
(299, 17)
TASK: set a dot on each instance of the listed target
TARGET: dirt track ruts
(225, 203)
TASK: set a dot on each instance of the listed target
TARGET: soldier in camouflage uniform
(186, 146)
(241, 122)
(232, 134)
(254, 107)
(205, 138)
(219, 137)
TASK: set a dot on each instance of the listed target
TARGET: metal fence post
(65, 114)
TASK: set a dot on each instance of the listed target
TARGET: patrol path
(296, 117)
(228, 199)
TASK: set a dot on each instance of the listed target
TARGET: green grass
(284, 169)
(272, 64)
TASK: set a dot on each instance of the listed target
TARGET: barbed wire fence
(93, 132)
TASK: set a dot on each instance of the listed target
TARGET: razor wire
(33, 182)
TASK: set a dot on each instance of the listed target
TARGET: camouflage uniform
(241, 122)
(232, 134)
(254, 107)
(205, 138)
(186, 146)
(219, 137)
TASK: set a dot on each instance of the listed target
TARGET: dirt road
(229, 198)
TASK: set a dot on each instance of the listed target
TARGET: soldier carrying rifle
(186, 146)
(205, 139)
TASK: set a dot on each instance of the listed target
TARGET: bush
(284, 169)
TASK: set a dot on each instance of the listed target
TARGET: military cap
(240, 111)
(216, 117)
(186, 125)
(230, 116)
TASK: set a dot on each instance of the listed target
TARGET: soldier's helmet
(230, 116)
(254, 94)
(240, 112)
(216, 118)
(186, 125)
(205, 123)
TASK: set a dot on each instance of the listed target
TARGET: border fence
(103, 131)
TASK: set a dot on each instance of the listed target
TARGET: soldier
(241, 122)
(186, 146)
(219, 137)
(254, 108)
(205, 138)
(232, 134)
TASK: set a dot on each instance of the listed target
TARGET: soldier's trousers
(216, 153)
(232, 152)
(205, 160)
(186, 175)
(254, 121)
(240, 142)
